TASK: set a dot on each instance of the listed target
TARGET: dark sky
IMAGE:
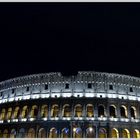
(69, 37)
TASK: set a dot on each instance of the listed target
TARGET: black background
(69, 37)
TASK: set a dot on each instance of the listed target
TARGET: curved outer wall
(89, 104)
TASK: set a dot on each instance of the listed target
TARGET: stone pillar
(97, 131)
(84, 111)
(39, 113)
(96, 111)
(49, 112)
(60, 112)
(128, 111)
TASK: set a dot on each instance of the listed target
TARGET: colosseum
(86, 105)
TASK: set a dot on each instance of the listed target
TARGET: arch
(42, 133)
(55, 110)
(89, 110)
(31, 133)
(44, 111)
(13, 133)
(102, 133)
(77, 132)
(34, 111)
(136, 133)
(133, 112)
(78, 110)
(66, 111)
(16, 113)
(0, 134)
(3, 112)
(123, 111)
(21, 133)
(9, 113)
(53, 133)
(101, 111)
(65, 133)
(5, 134)
(112, 111)
(24, 113)
(90, 132)
(114, 133)
(125, 133)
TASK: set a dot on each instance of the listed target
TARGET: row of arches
(65, 133)
(65, 112)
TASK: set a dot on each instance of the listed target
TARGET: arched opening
(24, 113)
(65, 133)
(102, 133)
(42, 133)
(31, 133)
(16, 113)
(78, 110)
(44, 111)
(114, 133)
(0, 134)
(66, 112)
(77, 132)
(5, 134)
(55, 111)
(112, 111)
(3, 112)
(133, 112)
(89, 109)
(53, 133)
(136, 133)
(21, 133)
(125, 133)
(9, 113)
(101, 111)
(90, 132)
(123, 111)
(34, 111)
(13, 133)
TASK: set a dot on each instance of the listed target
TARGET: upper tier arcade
(84, 84)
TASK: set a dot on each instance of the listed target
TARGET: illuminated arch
(101, 111)
(102, 133)
(114, 133)
(3, 112)
(44, 111)
(21, 133)
(16, 113)
(66, 111)
(65, 133)
(42, 133)
(77, 132)
(13, 133)
(136, 133)
(125, 133)
(90, 132)
(9, 113)
(112, 111)
(89, 110)
(123, 111)
(34, 111)
(133, 112)
(31, 133)
(53, 133)
(78, 110)
(55, 110)
(5, 134)
(24, 113)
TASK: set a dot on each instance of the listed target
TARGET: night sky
(69, 37)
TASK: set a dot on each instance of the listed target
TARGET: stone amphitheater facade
(86, 105)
